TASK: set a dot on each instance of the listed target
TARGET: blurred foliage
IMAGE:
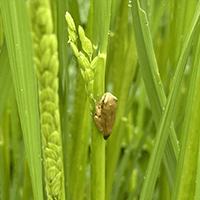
(151, 65)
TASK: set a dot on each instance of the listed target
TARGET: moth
(105, 113)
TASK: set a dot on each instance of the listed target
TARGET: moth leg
(97, 121)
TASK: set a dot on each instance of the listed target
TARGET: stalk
(102, 20)
(93, 72)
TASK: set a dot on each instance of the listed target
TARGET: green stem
(97, 164)
(97, 142)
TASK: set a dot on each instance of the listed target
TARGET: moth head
(109, 101)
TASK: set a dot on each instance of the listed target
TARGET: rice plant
(69, 70)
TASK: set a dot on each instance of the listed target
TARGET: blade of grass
(114, 10)
(97, 142)
(156, 11)
(178, 29)
(178, 33)
(105, 10)
(77, 134)
(18, 150)
(197, 194)
(89, 26)
(74, 11)
(163, 186)
(167, 116)
(121, 168)
(132, 94)
(95, 36)
(121, 66)
(82, 156)
(62, 37)
(175, 142)
(184, 187)
(188, 177)
(5, 162)
(121, 171)
(2, 164)
(136, 190)
(18, 34)
(151, 77)
(5, 78)
(147, 61)
(1, 33)
(27, 189)
(144, 6)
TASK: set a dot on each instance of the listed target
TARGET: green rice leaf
(120, 72)
(167, 116)
(184, 187)
(5, 163)
(79, 138)
(147, 61)
(152, 80)
(197, 194)
(156, 10)
(18, 150)
(5, 78)
(17, 30)
(62, 37)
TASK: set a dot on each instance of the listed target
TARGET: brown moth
(105, 113)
